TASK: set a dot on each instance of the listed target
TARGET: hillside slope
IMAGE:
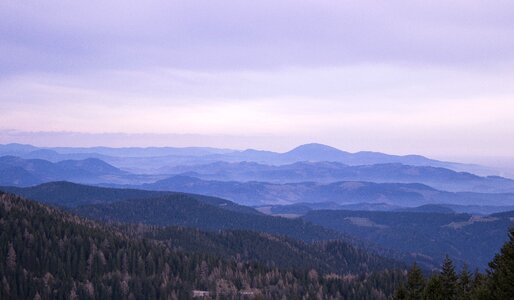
(342, 192)
(327, 172)
(67, 194)
(184, 210)
(465, 238)
(34, 171)
(339, 257)
(48, 254)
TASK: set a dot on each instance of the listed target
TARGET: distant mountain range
(319, 152)
(340, 193)
(157, 160)
(326, 172)
(29, 150)
(317, 174)
(258, 184)
(25, 172)
(315, 209)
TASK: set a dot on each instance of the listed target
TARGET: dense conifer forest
(49, 254)
(276, 251)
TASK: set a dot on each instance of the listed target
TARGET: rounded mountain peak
(316, 152)
(315, 148)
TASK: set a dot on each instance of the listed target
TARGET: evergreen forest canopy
(50, 254)
(424, 234)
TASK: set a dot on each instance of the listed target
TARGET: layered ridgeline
(247, 184)
(68, 194)
(300, 209)
(469, 239)
(315, 163)
(345, 192)
(426, 234)
(244, 227)
(329, 172)
(48, 254)
(25, 172)
(167, 208)
(152, 158)
(182, 210)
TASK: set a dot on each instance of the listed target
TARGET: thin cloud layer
(233, 34)
(398, 76)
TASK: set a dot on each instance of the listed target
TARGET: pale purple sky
(434, 78)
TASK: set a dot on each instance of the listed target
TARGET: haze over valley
(256, 150)
(372, 198)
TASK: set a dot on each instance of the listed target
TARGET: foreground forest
(49, 254)
(497, 283)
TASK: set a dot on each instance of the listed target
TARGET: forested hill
(49, 254)
(326, 257)
(68, 194)
(183, 210)
(466, 238)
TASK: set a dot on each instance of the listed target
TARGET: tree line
(496, 283)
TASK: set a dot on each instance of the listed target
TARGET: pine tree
(501, 273)
(479, 288)
(434, 290)
(415, 283)
(11, 258)
(448, 280)
(400, 294)
(464, 284)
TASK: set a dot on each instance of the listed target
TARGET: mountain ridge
(89, 170)
(167, 209)
(340, 192)
(326, 172)
(143, 159)
(464, 237)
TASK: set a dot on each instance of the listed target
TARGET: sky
(427, 77)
